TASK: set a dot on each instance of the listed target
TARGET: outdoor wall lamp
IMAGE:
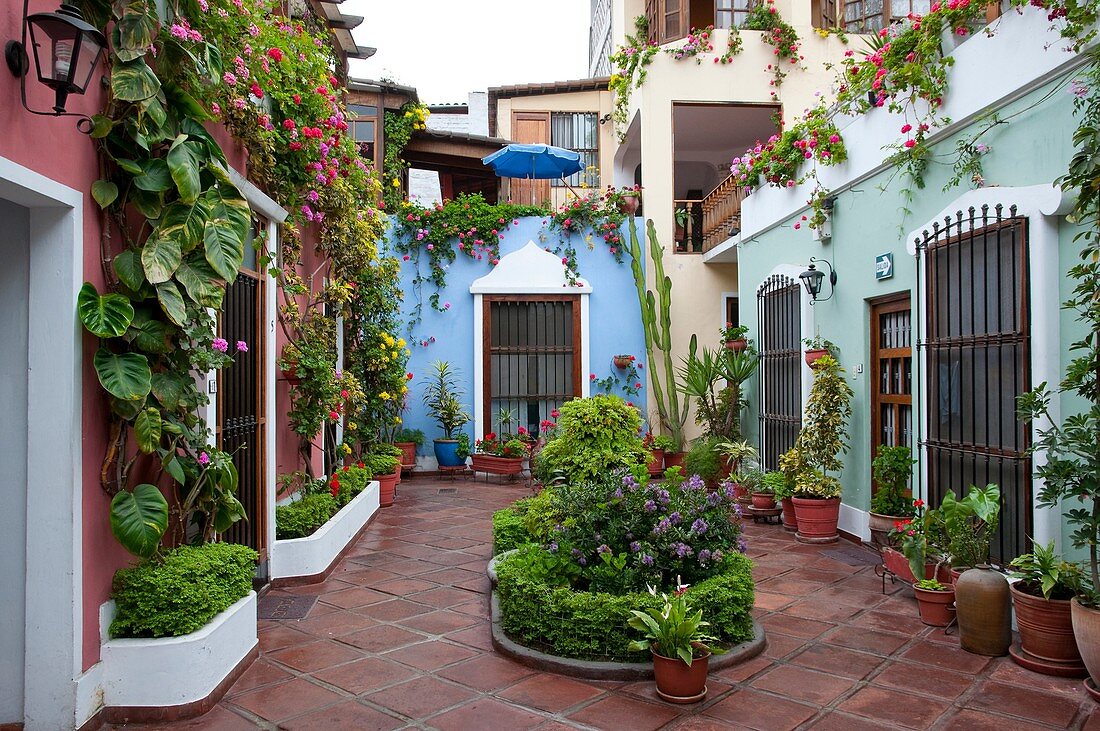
(66, 51)
(812, 279)
(605, 119)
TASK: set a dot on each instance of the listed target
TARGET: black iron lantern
(812, 279)
(66, 51)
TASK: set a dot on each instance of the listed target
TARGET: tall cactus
(658, 332)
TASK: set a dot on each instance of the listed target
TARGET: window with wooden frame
(532, 358)
(891, 373)
(364, 128)
(579, 132)
(978, 361)
(732, 13)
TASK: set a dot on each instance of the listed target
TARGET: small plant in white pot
(681, 653)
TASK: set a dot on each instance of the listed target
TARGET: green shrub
(302, 517)
(540, 516)
(593, 626)
(182, 591)
(409, 435)
(703, 459)
(594, 436)
(509, 528)
(349, 481)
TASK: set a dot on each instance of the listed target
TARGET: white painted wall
(14, 296)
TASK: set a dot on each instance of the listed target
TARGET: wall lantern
(812, 279)
(66, 51)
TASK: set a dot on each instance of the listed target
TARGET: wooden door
(891, 374)
(530, 128)
(242, 422)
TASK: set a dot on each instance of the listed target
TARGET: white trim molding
(1041, 205)
(53, 629)
(312, 555)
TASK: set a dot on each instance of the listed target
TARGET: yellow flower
(347, 449)
(401, 342)
(352, 426)
(385, 396)
(396, 183)
(397, 420)
(404, 389)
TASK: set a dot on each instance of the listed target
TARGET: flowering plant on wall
(398, 128)
(779, 160)
(695, 45)
(630, 61)
(777, 33)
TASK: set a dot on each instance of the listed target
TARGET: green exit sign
(884, 266)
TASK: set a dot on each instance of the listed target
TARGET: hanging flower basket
(622, 362)
(815, 354)
(738, 346)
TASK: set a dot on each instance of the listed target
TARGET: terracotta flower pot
(674, 459)
(738, 346)
(387, 487)
(897, 564)
(880, 526)
(630, 204)
(935, 606)
(621, 362)
(815, 354)
(408, 454)
(290, 374)
(492, 464)
(657, 466)
(763, 501)
(1046, 631)
(680, 683)
(1086, 630)
(817, 519)
(790, 520)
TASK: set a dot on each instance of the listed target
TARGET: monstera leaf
(125, 376)
(127, 266)
(225, 232)
(134, 81)
(184, 223)
(159, 258)
(147, 428)
(201, 281)
(139, 519)
(184, 161)
(106, 316)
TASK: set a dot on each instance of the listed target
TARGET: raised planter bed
(314, 554)
(143, 678)
(494, 465)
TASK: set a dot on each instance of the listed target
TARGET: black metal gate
(532, 359)
(240, 406)
(977, 356)
(779, 317)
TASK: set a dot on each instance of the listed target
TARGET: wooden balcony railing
(721, 212)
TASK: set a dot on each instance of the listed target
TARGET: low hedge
(592, 626)
(182, 590)
(509, 528)
(303, 517)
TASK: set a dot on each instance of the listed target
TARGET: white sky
(447, 48)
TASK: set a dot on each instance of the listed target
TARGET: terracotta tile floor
(399, 639)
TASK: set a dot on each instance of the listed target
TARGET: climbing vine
(398, 130)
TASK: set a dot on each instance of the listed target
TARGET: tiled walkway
(400, 639)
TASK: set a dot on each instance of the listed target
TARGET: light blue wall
(1034, 147)
(614, 320)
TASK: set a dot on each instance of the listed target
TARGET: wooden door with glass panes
(891, 373)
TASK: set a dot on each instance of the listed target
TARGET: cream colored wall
(697, 288)
(582, 101)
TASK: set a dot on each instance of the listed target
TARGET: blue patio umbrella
(541, 162)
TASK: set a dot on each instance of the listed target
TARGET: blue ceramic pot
(446, 453)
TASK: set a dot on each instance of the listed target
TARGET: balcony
(702, 224)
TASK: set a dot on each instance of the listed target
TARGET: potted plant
(734, 337)
(408, 440)
(969, 525)
(816, 452)
(763, 494)
(934, 601)
(1041, 597)
(913, 546)
(502, 455)
(705, 459)
(288, 364)
(1070, 470)
(385, 467)
(441, 398)
(817, 347)
(783, 492)
(631, 200)
(681, 656)
(622, 362)
(891, 502)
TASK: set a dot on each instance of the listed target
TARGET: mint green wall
(1031, 148)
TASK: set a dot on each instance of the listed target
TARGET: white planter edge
(173, 671)
(312, 555)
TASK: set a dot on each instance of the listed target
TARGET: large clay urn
(984, 611)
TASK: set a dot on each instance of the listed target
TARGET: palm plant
(715, 379)
(441, 398)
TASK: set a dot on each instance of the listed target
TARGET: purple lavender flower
(663, 497)
(704, 556)
(662, 525)
(713, 499)
(737, 509)
(717, 556)
(727, 490)
(682, 550)
(630, 483)
(618, 492)
(553, 547)
(695, 482)
(577, 553)
(699, 526)
(647, 560)
(582, 561)
(650, 506)
(603, 548)
(742, 544)
(635, 547)
(676, 518)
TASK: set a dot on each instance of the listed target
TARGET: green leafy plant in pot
(934, 602)
(816, 452)
(441, 398)
(674, 634)
(1041, 597)
(891, 502)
